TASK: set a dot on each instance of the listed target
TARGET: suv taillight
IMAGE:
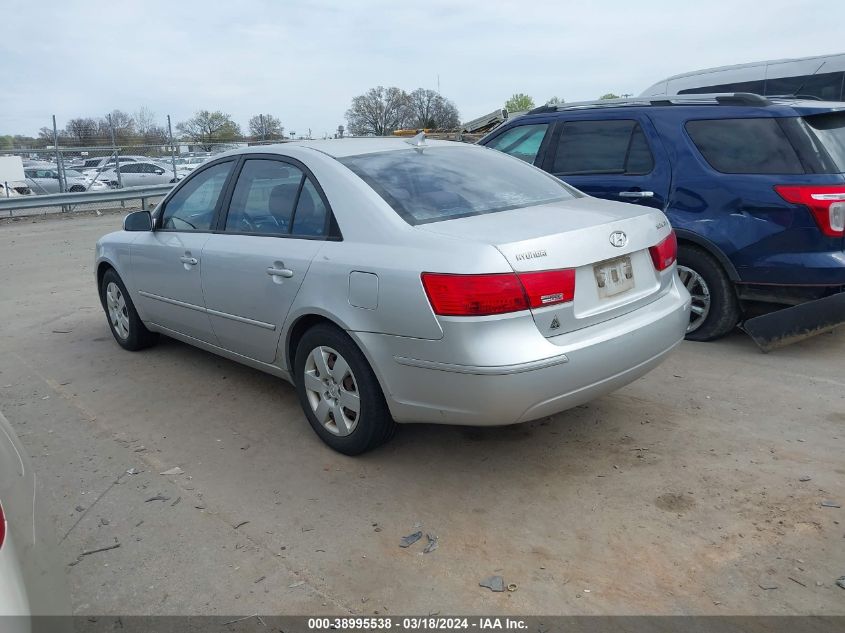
(826, 203)
(2, 527)
(665, 253)
(480, 295)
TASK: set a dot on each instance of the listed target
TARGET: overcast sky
(303, 61)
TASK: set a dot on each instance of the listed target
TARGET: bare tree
(81, 131)
(266, 127)
(123, 124)
(206, 128)
(378, 112)
(145, 120)
(429, 109)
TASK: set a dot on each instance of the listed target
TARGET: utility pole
(172, 147)
(58, 156)
(116, 156)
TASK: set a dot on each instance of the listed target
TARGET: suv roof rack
(721, 98)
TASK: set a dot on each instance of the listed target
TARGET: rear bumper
(566, 371)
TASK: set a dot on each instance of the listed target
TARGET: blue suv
(753, 186)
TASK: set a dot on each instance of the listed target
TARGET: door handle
(636, 194)
(287, 273)
(193, 261)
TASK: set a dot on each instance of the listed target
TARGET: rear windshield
(745, 146)
(443, 183)
(830, 130)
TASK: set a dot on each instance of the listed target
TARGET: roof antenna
(417, 142)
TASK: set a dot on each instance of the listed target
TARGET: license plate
(614, 277)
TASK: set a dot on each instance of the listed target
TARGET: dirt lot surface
(687, 492)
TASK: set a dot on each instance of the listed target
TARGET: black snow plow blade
(796, 323)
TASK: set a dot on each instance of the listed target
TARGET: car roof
(714, 105)
(339, 148)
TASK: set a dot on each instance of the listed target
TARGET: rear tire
(343, 401)
(125, 324)
(715, 307)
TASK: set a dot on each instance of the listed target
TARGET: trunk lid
(576, 234)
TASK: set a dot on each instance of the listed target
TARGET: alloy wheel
(118, 313)
(332, 391)
(700, 293)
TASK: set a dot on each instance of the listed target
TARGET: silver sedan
(397, 280)
(32, 579)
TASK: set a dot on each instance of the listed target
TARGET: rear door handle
(636, 194)
(280, 272)
(193, 261)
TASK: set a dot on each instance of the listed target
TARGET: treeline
(205, 128)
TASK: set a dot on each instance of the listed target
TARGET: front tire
(715, 307)
(339, 392)
(125, 324)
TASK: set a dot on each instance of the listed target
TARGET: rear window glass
(443, 183)
(830, 130)
(745, 146)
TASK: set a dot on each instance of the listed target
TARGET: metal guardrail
(67, 199)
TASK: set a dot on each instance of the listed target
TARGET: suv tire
(715, 305)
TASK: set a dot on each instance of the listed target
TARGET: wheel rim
(332, 391)
(700, 294)
(118, 313)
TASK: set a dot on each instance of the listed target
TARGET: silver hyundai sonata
(395, 280)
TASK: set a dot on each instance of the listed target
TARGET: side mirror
(159, 171)
(138, 221)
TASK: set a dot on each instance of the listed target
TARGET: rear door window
(264, 198)
(522, 141)
(745, 146)
(602, 147)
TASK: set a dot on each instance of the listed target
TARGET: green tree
(266, 127)
(555, 101)
(206, 128)
(609, 95)
(7, 142)
(519, 103)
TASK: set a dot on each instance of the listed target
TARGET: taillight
(479, 295)
(474, 295)
(664, 254)
(826, 203)
(2, 527)
(548, 287)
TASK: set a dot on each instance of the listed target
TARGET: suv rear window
(830, 130)
(444, 183)
(745, 146)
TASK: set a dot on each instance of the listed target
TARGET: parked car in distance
(400, 281)
(136, 174)
(46, 180)
(820, 77)
(753, 187)
(32, 579)
(14, 189)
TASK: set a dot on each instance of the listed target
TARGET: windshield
(830, 130)
(443, 183)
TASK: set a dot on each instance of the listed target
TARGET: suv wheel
(339, 392)
(715, 307)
